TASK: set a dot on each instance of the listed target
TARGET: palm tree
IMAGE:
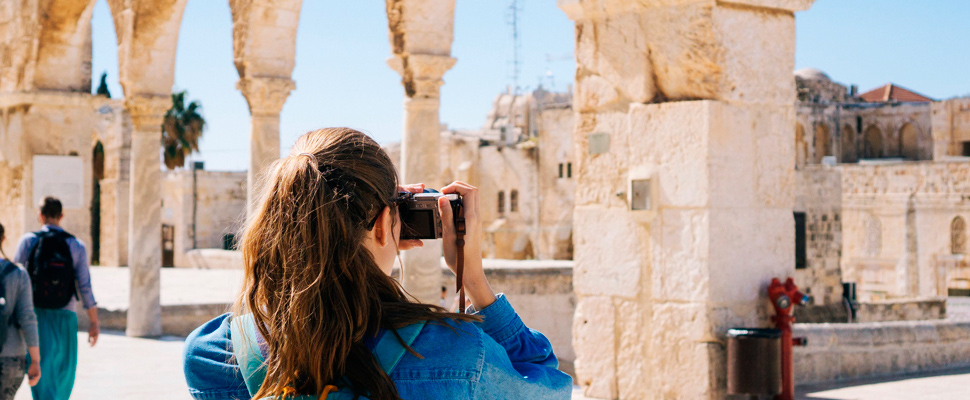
(181, 130)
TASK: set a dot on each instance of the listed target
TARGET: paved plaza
(120, 367)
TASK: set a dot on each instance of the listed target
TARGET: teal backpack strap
(246, 349)
(389, 350)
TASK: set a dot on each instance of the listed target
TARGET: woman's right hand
(474, 282)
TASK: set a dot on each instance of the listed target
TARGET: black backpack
(6, 267)
(51, 269)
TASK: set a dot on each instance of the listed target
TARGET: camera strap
(460, 259)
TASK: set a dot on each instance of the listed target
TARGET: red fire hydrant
(784, 298)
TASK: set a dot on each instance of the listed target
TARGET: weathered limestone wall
(819, 195)
(664, 283)
(219, 206)
(556, 193)
(44, 123)
(115, 136)
(951, 128)
(542, 294)
(897, 223)
(851, 351)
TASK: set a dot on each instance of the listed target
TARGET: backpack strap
(245, 347)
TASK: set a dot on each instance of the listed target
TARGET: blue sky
(343, 79)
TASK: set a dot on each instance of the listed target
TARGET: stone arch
(64, 46)
(849, 152)
(823, 142)
(873, 143)
(958, 236)
(909, 142)
(801, 148)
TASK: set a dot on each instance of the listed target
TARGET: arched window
(514, 200)
(958, 236)
(849, 154)
(501, 201)
(800, 146)
(908, 144)
(823, 142)
(872, 146)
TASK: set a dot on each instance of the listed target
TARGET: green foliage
(103, 87)
(181, 130)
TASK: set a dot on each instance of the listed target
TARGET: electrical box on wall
(599, 143)
(640, 195)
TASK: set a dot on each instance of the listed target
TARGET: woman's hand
(473, 276)
(410, 243)
(33, 370)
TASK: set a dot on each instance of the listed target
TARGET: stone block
(673, 139)
(680, 262)
(689, 49)
(608, 252)
(634, 380)
(603, 175)
(594, 339)
(747, 248)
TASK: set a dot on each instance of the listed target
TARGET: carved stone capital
(147, 111)
(265, 95)
(421, 73)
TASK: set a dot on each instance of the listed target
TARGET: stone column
(265, 96)
(420, 161)
(145, 213)
(685, 145)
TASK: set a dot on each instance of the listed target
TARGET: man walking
(58, 268)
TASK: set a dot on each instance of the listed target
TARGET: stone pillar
(683, 213)
(265, 96)
(419, 159)
(145, 213)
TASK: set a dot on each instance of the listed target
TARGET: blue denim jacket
(499, 358)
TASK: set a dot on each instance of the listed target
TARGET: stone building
(522, 162)
(882, 192)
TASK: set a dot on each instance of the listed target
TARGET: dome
(813, 74)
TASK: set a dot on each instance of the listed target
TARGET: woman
(319, 300)
(19, 321)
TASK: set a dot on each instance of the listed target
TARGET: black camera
(420, 218)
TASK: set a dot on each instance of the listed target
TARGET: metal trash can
(753, 361)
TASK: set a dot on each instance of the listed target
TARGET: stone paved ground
(128, 368)
(120, 367)
(953, 384)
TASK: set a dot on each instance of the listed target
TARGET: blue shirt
(499, 358)
(81, 272)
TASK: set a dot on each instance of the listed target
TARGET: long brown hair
(2, 237)
(313, 288)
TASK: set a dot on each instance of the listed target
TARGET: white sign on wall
(61, 177)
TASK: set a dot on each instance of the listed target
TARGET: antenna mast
(512, 18)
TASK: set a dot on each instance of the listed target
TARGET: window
(958, 236)
(501, 202)
(560, 170)
(801, 256)
(966, 149)
(514, 201)
(569, 170)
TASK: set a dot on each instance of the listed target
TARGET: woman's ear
(382, 228)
